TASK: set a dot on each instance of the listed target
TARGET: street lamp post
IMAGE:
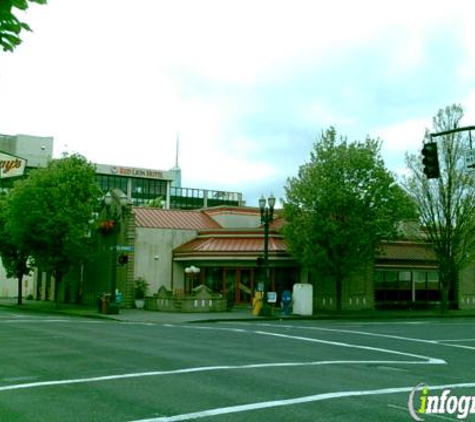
(191, 272)
(267, 216)
(117, 213)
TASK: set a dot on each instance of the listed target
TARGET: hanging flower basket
(107, 226)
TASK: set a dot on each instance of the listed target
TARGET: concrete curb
(143, 316)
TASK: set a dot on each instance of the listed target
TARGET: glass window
(188, 198)
(107, 182)
(144, 190)
(405, 280)
(432, 276)
(214, 279)
(405, 275)
(419, 276)
(390, 276)
(379, 277)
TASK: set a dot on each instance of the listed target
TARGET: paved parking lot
(57, 368)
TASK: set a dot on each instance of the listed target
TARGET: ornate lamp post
(191, 272)
(115, 211)
(267, 216)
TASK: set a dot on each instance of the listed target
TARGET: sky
(246, 85)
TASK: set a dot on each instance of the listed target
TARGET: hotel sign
(130, 171)
(11, 166)
(124, 171)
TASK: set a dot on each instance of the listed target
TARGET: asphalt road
(77, 369)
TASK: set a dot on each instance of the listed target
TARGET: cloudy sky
(248, 85)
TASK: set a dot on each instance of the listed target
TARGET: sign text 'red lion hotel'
(131, 172)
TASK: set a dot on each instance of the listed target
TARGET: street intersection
(57, 368)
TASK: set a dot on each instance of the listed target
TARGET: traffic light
(431, 160)
(123, 259)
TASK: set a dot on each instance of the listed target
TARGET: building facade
(224, 246)
(141, 185)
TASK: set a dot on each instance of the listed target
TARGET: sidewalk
(238, 313)
(131, 314)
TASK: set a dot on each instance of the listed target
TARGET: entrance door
(244, 286)
(230, 281)
(238, 285)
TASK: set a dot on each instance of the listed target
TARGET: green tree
(446, 205)
(14, 257)
(340, 206)
(50, 214)
(10, 26)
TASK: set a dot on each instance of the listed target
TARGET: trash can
(102, 301)
(105, 306)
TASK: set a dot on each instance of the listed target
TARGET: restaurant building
(224, 247)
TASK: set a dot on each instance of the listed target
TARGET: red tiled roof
(218, 245)
(173, 219)
(252, 244)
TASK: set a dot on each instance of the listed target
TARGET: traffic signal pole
(430, 153)
(448, 132)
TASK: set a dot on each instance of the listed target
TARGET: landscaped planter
(139, 303)
(202, 299)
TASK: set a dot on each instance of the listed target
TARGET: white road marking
(23, 321)
(49, 320)
(290, 402)
(423, 360)
(388, 322)
(212, 368)
(332, 343)
(355, 346)
(366, 333)
(209, 328)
